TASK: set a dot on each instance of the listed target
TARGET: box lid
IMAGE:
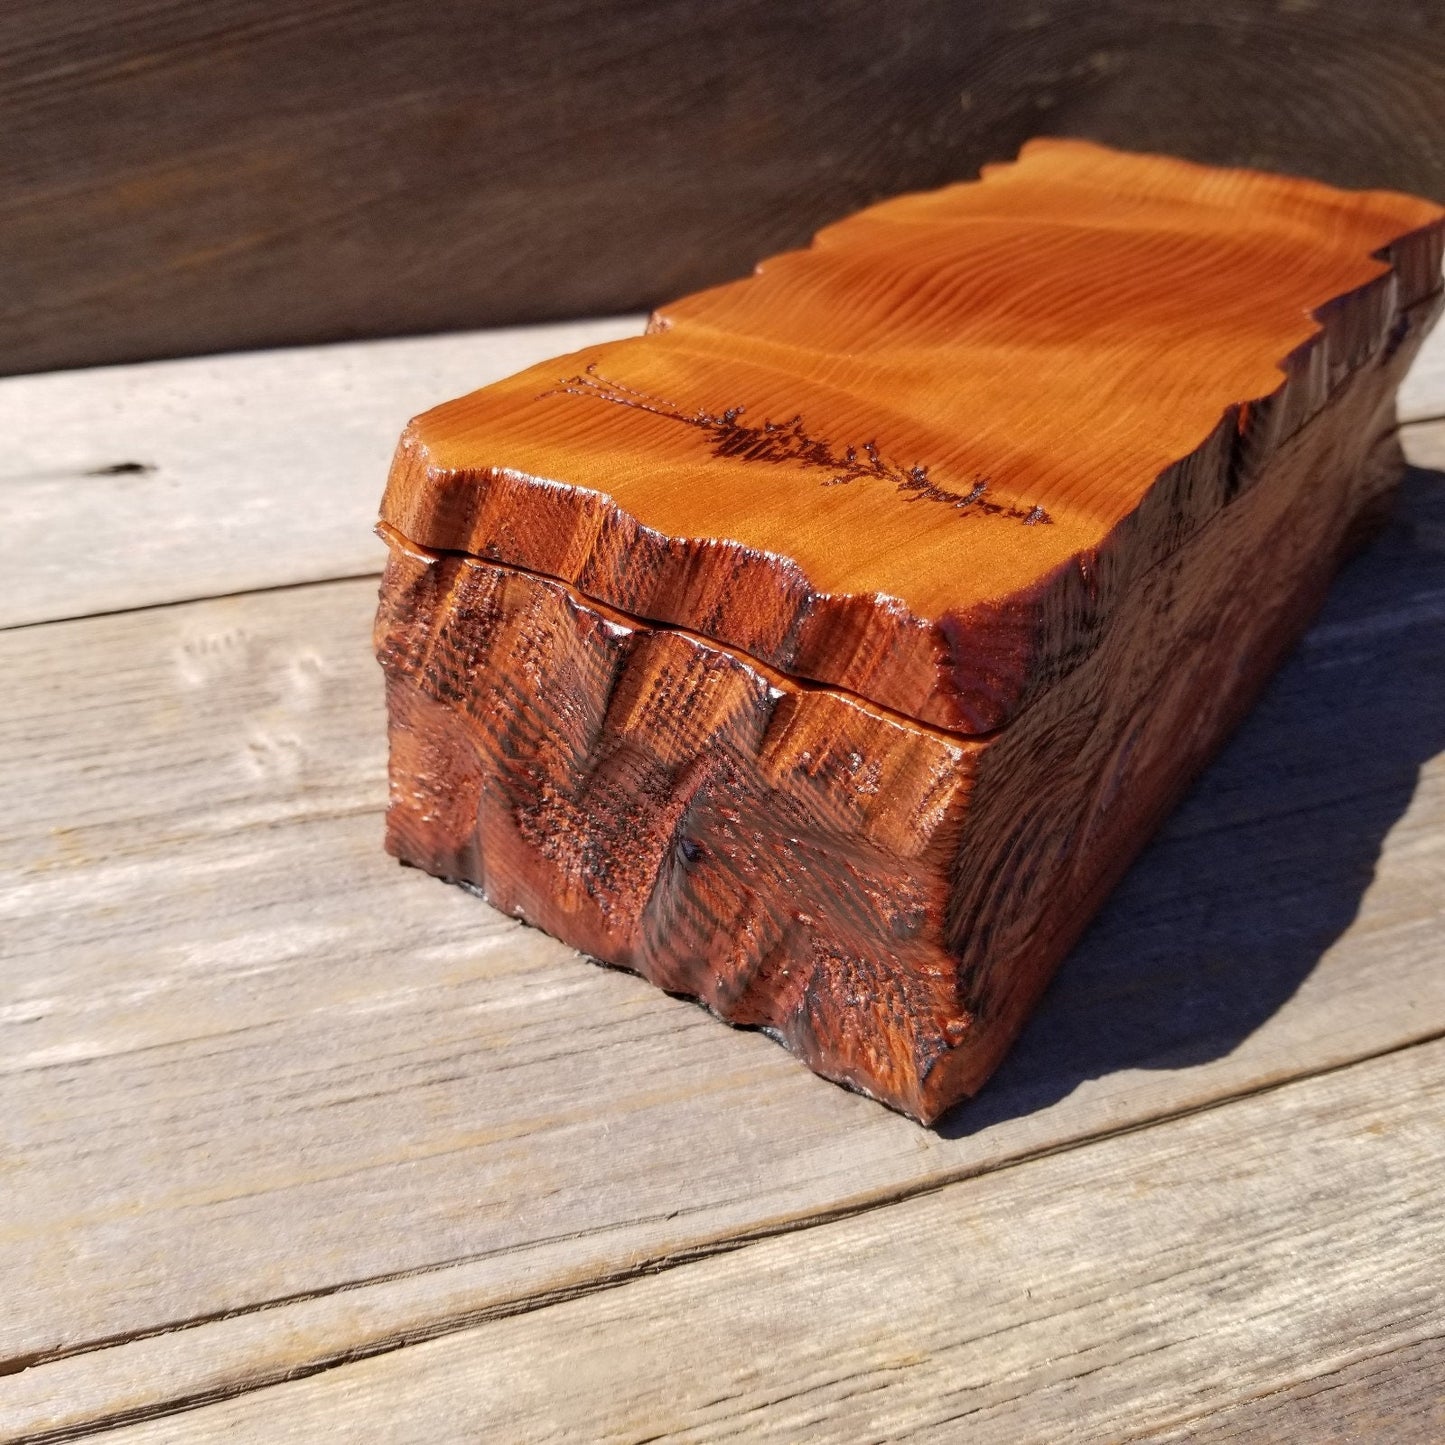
(923, 458)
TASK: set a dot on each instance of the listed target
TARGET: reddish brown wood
(1084, 517)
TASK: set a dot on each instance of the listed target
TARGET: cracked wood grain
(1397, 1393)
(1225, 1267)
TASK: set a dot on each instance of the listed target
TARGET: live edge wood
(844, 719)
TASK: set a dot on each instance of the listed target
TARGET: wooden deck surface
(296, 1143)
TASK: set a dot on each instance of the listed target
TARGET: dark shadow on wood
(1265, 863)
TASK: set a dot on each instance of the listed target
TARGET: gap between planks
(461, 925)
(219, 475)
(236, 827)
(364, 576)
(1199, 1218)
(162, 1337)
(1423, 442)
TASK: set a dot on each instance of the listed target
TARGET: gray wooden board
(271, 1102)
(130, 485)
(1138, 1289)
(1398, 1394)
(257, 471)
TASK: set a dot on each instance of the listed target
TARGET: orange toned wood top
(922, 458)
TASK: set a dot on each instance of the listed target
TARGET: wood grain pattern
(924, 459)
(253, 1058)
(183, 479)
(783, 853)
(191, 176)
(1396, 1393)
(1095, 589)
(1223, 1264)
(216, 432)
(283, 1098)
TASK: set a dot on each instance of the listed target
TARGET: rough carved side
(781, 853)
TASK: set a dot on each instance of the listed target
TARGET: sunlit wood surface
(1150, 407)
(925, 458)
(296, 1142)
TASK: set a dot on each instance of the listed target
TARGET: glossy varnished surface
(887, 898)
(781, 853)
(923, 459)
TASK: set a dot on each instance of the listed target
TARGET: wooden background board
(196, 175)
(272, 1104)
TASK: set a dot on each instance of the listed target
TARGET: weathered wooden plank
(249, 1061)
(194, 177)
(1398, 1394)
(224, 433)
(131, 485)
(1134, 1289)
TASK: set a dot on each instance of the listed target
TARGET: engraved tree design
(791, 443)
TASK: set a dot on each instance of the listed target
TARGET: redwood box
(828, 653)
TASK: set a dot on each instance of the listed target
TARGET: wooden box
(827, 653)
